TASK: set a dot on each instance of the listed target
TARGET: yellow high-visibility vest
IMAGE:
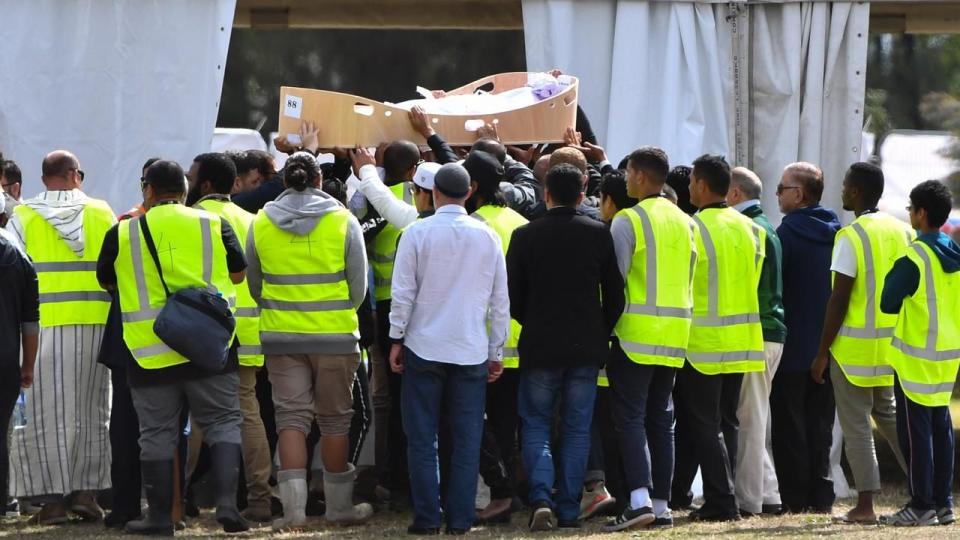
(248, 312)
(504, 221)
(305, 289)
(726, 336)
(384, 249)
(191, 254)
(861, 347)
(69, 290)
(925, 349)
(655, 325)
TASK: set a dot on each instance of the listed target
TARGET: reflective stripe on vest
(134, 265)
(730, 343)
(69, 291)
(247, 313)
(504, 221)
(862, 344)
(925, 349)
(655, 325)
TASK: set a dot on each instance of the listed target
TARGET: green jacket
(770, 290)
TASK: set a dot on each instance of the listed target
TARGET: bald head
(747, 182)
(60, 171)
(59, 163)
(541, 167)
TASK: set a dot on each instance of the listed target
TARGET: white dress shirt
(450, 301)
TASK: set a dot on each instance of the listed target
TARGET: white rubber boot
(338, 488)
(292, 485)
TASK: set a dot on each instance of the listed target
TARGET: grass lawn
(393, 525)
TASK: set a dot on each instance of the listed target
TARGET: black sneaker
(945, 515)
(639, 517)
(12, 509)
(663, 521)
(542, 518)
(704, 514)
(574, 524)
(773, 509)
(423, 531)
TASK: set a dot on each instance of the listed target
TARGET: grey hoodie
(298, 213)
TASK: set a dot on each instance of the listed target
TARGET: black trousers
(498, 448)
(396, 468)
(706, 418)
(802, 414)
(124, 447)
(9, 392)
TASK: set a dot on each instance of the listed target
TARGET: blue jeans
(643, 416)
(926, 439)
(460, 391)
(576, 390)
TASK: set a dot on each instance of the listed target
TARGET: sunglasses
(79, 171)
(781, 189)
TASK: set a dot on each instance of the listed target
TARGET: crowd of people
(581, 336)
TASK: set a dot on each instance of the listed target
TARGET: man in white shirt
(448, 323)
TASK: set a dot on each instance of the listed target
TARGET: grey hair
(810, 178)
(747, 181)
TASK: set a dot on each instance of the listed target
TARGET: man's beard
(193, 195)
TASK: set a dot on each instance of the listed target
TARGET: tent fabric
(765, 84)
(114, 81)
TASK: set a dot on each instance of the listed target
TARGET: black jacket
(565, 289)
(19, 301)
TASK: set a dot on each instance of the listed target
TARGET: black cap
(484, 168)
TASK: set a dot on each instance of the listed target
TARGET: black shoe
(423, 531)
(747, 514)
(681, 502)
(703, 514)
(158, 483)
(456, 532)
(562, 524)
(663, 521)
(11, 509)
(773, 510)
(631, 517)
(542, 518)
(226, 459)
(116, 520)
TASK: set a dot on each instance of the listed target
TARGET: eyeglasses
(8, 184)
(781, 188)
(79, 171)
(143, 184)
(909, 208)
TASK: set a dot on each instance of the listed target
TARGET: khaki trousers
(755, 477)
(855, 406)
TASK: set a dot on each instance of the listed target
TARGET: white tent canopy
(113, 81)
(764, 83)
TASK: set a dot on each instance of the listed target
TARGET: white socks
(659, 507)
(639, 498)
